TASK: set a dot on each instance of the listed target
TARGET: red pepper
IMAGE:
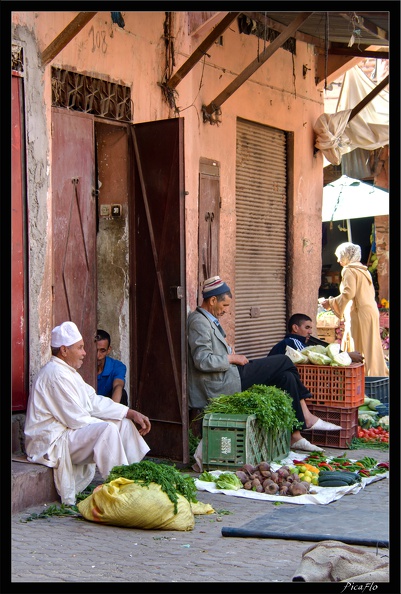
(383, 465)
(325, 465)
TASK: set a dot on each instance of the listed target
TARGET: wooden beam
(366, 25)
(338, 64)
(66, 36)
(276, 26)
(201, 49)
(256, 64)
(356, 52)
(368, 98)
(330, 71)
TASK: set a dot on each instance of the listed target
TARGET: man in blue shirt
(110, 372)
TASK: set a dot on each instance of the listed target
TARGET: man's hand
(139, 419)
(237, 359)
(356, 357)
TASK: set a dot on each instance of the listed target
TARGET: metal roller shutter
(261, 247)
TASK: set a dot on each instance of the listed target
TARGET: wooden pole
(201, 49)
(368, 98)
(257, 63)
(65, 36)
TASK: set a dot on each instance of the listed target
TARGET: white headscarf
(348, 252)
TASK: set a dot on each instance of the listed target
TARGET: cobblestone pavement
(71, 549)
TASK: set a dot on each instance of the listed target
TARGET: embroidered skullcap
(214, 286)
(348, 252)
(65, 335)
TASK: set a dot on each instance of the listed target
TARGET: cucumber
(334, 483)
(349, 478)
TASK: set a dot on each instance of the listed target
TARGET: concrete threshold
(31, 484)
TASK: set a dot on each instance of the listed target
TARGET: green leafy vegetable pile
(226, 480)
(271, 406)
(171, 480)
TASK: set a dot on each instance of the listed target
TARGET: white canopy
(368, 129)
(348, 198)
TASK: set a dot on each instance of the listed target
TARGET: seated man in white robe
(72, 429)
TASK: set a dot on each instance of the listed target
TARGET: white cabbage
(342, 359)
(332, 350)
(295, 356)
(319, 358)
(316, 348)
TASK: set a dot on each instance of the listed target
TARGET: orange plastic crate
(334, 386)
(347, 418)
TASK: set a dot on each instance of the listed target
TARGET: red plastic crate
(347, 418)
(334, 386)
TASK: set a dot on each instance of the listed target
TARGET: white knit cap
(65, 335)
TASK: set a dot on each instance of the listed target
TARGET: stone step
(31, 485)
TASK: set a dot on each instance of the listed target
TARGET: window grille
(79, 92)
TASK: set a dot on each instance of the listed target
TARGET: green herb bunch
(271, 406)
(171, 480)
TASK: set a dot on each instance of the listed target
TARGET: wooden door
(157, 271)
(209, 222)
(74, 228)
(19, 359)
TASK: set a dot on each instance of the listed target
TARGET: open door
(74, 229)
(158, 297)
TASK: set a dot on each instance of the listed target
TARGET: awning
(348, 198)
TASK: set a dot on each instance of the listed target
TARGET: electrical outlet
(105, 210)
(116, 210)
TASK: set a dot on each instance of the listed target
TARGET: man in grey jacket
(214, 368)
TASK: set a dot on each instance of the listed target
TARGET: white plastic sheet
(369, 129)
(316, 496)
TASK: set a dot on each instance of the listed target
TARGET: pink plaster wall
(276, 95)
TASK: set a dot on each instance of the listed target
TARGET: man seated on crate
(214, 368)
(300, 335)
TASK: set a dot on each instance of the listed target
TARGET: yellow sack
(123, 502)
(199, 508)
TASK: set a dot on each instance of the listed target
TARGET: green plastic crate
(229, 441)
